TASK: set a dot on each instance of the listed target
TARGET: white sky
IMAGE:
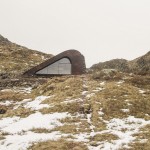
(100, 29)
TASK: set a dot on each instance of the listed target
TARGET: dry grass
(144, 134)
(107, 74)
(104, 137)
(63, 88)
(20, 112)
(140, 81)
(140, 108)
(69, 107)
(67, 128)
(13, 96)
(40, 130)
(78, 124)
(59, 145)
(111, 101)
(115, 98)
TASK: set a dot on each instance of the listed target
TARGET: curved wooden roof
(76, 58)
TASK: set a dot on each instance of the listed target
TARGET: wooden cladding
(65, 63)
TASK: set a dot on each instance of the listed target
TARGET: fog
(100, 29)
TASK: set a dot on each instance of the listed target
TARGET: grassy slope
(139, 65)
(15, 59)
(109, 97)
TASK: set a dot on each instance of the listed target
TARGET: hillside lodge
(70, 62)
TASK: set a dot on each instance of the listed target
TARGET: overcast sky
(100, 29)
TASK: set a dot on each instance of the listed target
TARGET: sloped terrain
(15, 59)
(107, 109)
(77, 112)
(139, 65)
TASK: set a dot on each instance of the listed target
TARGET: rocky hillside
(15, 59)
(139, 65)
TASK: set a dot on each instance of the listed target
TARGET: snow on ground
(92, 127)
(124, 129)
(36, 104)
(84, 92)
(20, 90)
(125, 110)
(25, 90)
(36, 120)
(29, 103)
(33, 104)
(6, 103)
(71, 101)
(102, 83)
(22, 142)
(141, 91)
(21, 137)
(19, 130)
(90, 95)
(120, 82)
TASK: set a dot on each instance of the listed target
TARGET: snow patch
(102, 83)
(36, 104)
(23, 142)
(37, 120)
(125, 110)
(141, 91)
(73, 100)
(124, 129)
(6, 103)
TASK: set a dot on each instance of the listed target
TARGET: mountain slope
(119, 64)
(139, 65)
(15, 59)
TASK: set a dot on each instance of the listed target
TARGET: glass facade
(62, 66)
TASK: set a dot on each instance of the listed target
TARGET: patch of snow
(120, 82)
(100, 112)
(6, 103)
(141, 91)
(129, 104)
(18, 104)
(43, 57)
(85, 86)
(102, 83)
(37, 120)
(21, 137)
(90, 123)
(124, 129)
(143, 140)
(36, 104)
(84, 92)
(5, 122)
(82, 137)
(126, 95)
(71, 101)
(67, 86)
(125, 110)
(90, 95)
(98, 89)
(6, 90)
(23, 90)
(23, 142)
